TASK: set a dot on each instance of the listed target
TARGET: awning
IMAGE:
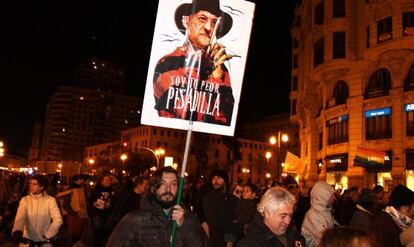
(293, 164)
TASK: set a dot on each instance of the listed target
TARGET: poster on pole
(197, 64)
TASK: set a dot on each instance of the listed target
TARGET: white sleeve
(56, 219)
(21, 216)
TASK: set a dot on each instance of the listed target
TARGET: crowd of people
(140, 211)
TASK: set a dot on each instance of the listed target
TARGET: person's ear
(185, 21)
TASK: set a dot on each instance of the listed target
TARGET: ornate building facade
(353, 91)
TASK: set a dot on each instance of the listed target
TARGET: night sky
(42, 43)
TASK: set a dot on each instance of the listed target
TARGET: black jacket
(219, 211)
(150, 227)
(385, 231)
(259, 235)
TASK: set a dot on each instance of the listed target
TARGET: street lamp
(268, 156)
(277, 140)
(91, 161)
(158, 153)
(123, 158)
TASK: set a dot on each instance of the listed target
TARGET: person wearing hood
(319, 217)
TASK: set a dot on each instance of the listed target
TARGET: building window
(318, 52)
(410, 123)
(320, 137)
(384, 29)
(216, 153)
(378, 124)
(338, 8)
(338, 130)
(295, 83)
(319, 13)
(408, 23)
(379, 84)
(340, 93)
(295, 61)
(295, 43)
(409, 159)
(409, 80)
(339, 45)
(368, 37)
(293, 110)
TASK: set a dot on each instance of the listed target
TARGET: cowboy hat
(212, 6)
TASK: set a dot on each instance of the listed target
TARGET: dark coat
(219, 211)
(362, 219)
(245, 210)
(385, 231)
(346, 211)
(260, 235)
(150, 227)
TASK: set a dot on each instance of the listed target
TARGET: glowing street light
(91, 161)
(277, 140)
(123, 158)
(268, 156)
(158, 153)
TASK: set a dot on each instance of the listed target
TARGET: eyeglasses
(202, 19)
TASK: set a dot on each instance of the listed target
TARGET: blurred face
(200, 27)
(142, 187)
(34, 187)
(167, 192)
(248, 193)
(217, 182)
(279, 220)
(106, 181)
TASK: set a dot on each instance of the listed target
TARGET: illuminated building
(78, 117)
(353, 91)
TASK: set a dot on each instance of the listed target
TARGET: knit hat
(401, 196)
(220, 173)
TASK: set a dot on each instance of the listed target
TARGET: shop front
(409, 165)
(378, 166)
(336, 167)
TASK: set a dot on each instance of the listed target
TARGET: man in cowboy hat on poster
(192, 81)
